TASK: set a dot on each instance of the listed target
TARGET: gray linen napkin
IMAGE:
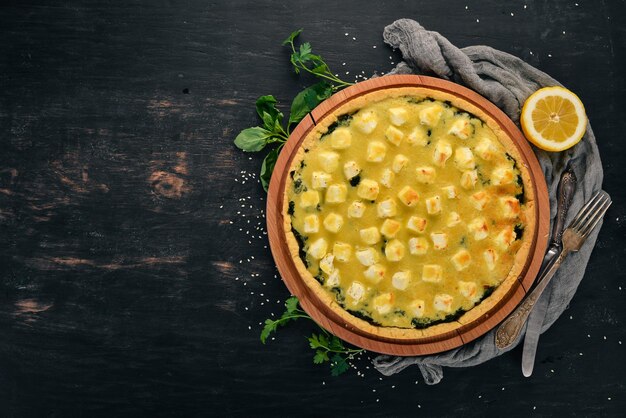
(507, 81)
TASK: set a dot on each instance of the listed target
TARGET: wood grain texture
(468, 329)
(134, 268)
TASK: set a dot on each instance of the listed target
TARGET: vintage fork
(573, 238)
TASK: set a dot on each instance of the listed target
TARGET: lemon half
(553, 118)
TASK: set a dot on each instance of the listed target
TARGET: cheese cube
(336, 193)
(394, 135)
(469, 179)
(401, 279)
(375, 273)
(506, 237)
(356, 291)
(443, 151)
(351, 169)
(490, 257)
(418, 137)
(464, 158)
(430, 114)
(310, 198)
(440, 240)
(453, 219)
(398, 115)
(509, 207)
(399, 162)
(356, 209)
(333, 279)
(425, 174)
(386, 179)
(383, 303)
(486, 149)
(327, 263)
(461, 128)
(502, 175)
(416, 224)
(390, 228)
(320, 180)
(479, 200)
(333, 222)
(433, 205)
(318, 248)
(443, 302)
(311, 224)
(367, 256)
(370, 235)
(432, 273)
(450, 192)
(368, 189)
(329, 161)
(461, 260)
(408, 196)
(418, 246)
(365, 122)
(341, 138)
(394, 250)
(479, 228)
(469, 290)
(376, 151)
(416, 307)
(342, 251)
(387, 208)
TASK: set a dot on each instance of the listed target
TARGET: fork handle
(511, 328)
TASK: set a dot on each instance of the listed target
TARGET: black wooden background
(134, 267)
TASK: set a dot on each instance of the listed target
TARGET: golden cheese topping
(407, 211)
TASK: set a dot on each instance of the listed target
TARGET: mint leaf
(308, 99)
(268, 167)
(252, 139)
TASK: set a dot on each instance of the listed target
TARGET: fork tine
(587, 210)
(591, 213)
(585, 207)
(598, 216)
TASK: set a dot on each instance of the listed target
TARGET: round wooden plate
(329, 320)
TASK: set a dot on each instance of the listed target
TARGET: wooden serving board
(324, 316)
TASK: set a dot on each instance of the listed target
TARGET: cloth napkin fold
(507, 81)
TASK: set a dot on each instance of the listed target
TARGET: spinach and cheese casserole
(406, 211)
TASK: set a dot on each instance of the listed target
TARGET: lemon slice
(553, 118)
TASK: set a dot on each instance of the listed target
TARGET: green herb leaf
(292, 37)
(267, 104)
(308, 99)
(338, 365)
(270, 326)
(268, 167)
(305, 51)
(336, 344)
(291, 304)
(314, 341)
(253, 139)
(320, 357)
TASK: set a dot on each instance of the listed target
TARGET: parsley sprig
(272, 132)
(328, 348)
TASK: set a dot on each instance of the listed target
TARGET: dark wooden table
(134, 266)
